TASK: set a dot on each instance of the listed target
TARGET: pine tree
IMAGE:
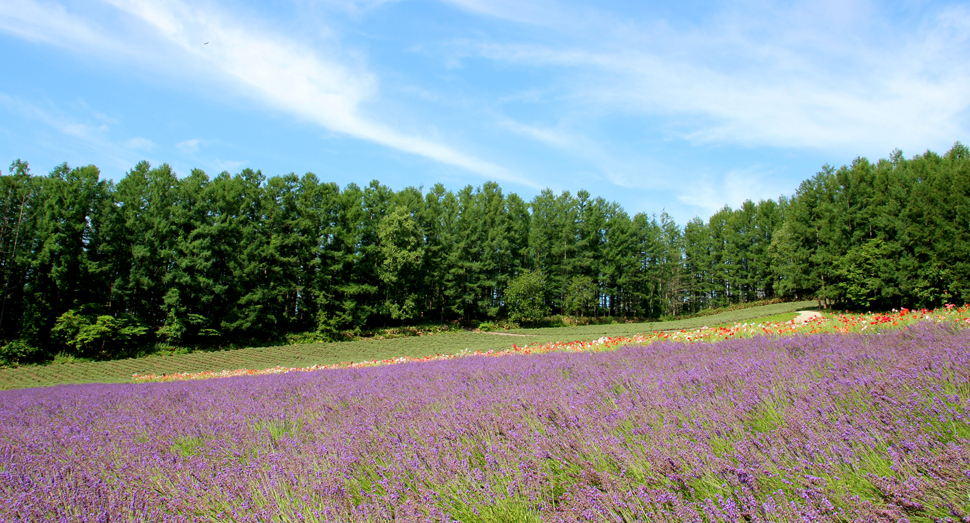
(60, 265)
(18, 209)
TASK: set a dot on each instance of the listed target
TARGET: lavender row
(807, 428)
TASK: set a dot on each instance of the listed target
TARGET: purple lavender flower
(808, 428)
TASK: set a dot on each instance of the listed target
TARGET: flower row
(842, 323)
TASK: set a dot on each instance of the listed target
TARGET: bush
(17, 352)
(491, 326)
(526, 298)
(96, 336)
(305, 338)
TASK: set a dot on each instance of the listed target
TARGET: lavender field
(826, 427)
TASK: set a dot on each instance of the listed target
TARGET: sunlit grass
(68, 371)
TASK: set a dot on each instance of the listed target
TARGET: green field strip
(589, 332)
(120, 371)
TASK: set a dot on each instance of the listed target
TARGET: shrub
(526, 298)
(17, 352)
(100, 336)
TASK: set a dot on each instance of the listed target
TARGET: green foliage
(861, 273)
(62, 358)
(526, 298)
(506, 510)
(187, 446)
(304, 338)
(401, 251)
(580, 295)
(327, 326)
(17, 352)
(767, 417)
(246, 260)
(384, 344)
(97, 336)
(721, 446)
(278, 428)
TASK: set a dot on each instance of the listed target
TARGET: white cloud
(139, 143)
(191, 146)
(85, 129)
(549, 136)
(352, 7)
(536, 12)
(50, 23)
(315, 85)
(808, 76)
(230, 166)
(626, 169)
(731, 188)
(88, 132)
(821, 76)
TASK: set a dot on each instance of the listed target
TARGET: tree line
(92, 267)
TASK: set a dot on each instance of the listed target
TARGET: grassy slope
(120, 371)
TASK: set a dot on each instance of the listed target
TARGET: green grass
(120, 371)
(774, 318)
(779, 311)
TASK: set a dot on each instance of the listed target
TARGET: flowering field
(842, 323)
(368, 349)
(869, 424)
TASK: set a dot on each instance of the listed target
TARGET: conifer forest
(93, 267)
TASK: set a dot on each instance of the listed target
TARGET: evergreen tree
(697, 264)
(620, 265)
(401, 253)
(18, 210)
(94, 268)
(60, 267)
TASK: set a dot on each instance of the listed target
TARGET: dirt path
(807, 316)
(508, 334)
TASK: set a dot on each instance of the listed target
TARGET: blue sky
(657, 106)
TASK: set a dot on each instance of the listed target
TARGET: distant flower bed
(839, 323)
(758, 425)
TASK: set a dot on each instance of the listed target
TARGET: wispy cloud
(731, 188)
(191, 146)
(649, 103)
(550, 136)
(352, 7)
(230, 166)
(319, 86)
(86, 129)
(627, 170)
(52, 24)
(139, 144)
(777, 79)
(536, 12)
